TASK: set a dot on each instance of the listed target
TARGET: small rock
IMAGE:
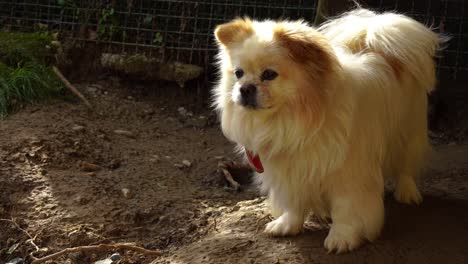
(115, 257)
(91, 89)
(148, 112)
(182, 111)
(127, 193)
(89, 167)
(91, 174)
(179, 166)
(15, 261)
(155, 158)
(130, 97)
(106, 92)
(124, 133)
(78, 128)
(104, 261)
(186, 163)
(167, 157)
(219, 157)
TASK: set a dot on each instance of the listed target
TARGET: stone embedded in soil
(124, 133)
(155, 158)
(115, 257)
(182, 111)
(127, 193)
(89, 167)
(179, 166)
(78, 128)
(186, 163)
(104, 261)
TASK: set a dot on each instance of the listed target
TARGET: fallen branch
(102, 247)
(70, 86)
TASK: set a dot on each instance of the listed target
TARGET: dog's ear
(305, 45)
(234, 31)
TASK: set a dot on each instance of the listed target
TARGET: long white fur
(375, 128)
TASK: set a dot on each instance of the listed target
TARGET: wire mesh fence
(178, 30)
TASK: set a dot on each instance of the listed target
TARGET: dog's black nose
(248, 95)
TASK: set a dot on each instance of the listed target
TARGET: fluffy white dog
(328, 114)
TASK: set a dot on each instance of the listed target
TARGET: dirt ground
(156, 186)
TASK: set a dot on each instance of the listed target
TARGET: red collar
(254, 161)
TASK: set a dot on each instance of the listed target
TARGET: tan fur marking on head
(306, 46)
(235, 31)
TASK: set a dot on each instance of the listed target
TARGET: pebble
(186, 163)
(130, 97)
(127, 193)
(115, 257)
(104, 261)
(91, 89)
(89, 167)
(182, 111)
(180, 166)
(155, 158)
(124, 133)
(78, 128)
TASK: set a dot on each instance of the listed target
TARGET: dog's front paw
(342, 238)
(285, 225)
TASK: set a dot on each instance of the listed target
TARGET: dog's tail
(405, 43)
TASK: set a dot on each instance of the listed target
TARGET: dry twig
(102, 247)
(223, 167)
(70, 86)
(31, 238)
(259, 222)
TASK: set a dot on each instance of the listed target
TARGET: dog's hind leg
(414, 153)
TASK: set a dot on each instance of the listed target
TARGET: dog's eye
(269, 75)
(239, 73)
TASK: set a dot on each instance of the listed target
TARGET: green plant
(26, 84)
(24, 75)
(158, 39)
(108, 25)
(17, 48)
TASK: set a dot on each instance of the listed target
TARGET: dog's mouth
(254, 161)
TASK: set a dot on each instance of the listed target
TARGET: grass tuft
(24, 76)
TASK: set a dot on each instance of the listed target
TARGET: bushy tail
(398, 38)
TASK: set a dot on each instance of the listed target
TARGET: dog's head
(274, 66)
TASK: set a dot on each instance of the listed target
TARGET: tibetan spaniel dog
(326, 115)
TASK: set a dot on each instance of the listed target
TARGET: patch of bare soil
(139, 169)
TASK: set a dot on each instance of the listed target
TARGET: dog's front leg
(356, 216)
(290, 222)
